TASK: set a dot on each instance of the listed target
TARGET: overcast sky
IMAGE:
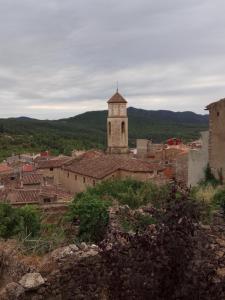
(59, 58)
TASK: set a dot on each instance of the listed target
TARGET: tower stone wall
(117, 125)
(217, 138)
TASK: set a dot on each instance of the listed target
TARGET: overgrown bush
(18, 221)
(92, 215)
(204, 196)
(209, 179)
(219, 199)
(130, 192)
(30, 220)
(135, 223)
(159, 263)
(10, 221)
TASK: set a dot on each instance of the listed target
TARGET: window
(123, 127)
(93, 182)
(75, 177)
(109, 128)
(47, 200)
(84, 179)
(218, 114)
(68, 174)
(51, 169)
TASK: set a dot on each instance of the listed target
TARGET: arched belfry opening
(117, 123)
(123, 127)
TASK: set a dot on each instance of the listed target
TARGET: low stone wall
(68, 273)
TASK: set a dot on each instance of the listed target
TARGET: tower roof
(117, 98)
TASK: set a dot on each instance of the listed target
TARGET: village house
(82, 173)
(5, 171)
(50, 167)
(27, 185)
(198, 159)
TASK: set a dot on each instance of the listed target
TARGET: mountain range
(88, 130)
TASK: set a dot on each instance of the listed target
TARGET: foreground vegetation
(136, 205)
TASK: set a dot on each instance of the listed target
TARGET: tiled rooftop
(32, 178)
(100, 167)
(53, 163)
(4, 168)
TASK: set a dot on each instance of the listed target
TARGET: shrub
(143, 221)
(18, 221)
(209, 179)
(130, 192)
(219, 199)
(159, 263)
(92, 214)
(204, 196)
(30, 219)
(10, 221)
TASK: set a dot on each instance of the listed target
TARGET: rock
(31, 281)
(124, 209)
(74, 247)
(206, 227)
(14, 289)
(94, 247)
(220, 254)
(62, 252)
(92, 252)
(220, 242)
(220, 272)
(83, 246)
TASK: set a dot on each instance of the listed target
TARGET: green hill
(88, 130)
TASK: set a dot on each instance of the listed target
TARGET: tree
(92, 215)
(9, 221)
(30, 219)
(23, 221)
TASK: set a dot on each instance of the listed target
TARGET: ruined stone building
(217, 138)
(197, 161)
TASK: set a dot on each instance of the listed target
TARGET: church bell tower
(117, 125)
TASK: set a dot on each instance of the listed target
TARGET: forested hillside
(88, 130)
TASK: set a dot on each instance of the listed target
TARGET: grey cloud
(59, 54)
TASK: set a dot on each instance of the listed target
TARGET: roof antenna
(117, 87)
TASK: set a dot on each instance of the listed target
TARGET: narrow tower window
(123, 127)
(109, 128)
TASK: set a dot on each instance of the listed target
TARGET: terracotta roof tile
(27, 168)
(26, 196)
(32, 178)
(53, 163)
(35, 195)
(100, 167)
(4, 168)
